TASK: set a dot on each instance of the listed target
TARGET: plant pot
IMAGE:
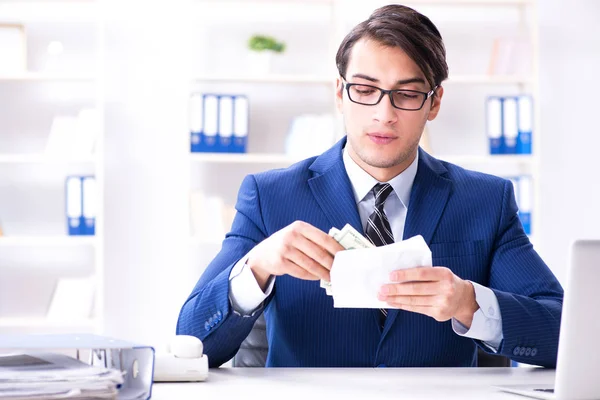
(260, 62)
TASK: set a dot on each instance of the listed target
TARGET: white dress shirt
(246, 296)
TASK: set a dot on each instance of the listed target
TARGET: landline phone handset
(183, 361)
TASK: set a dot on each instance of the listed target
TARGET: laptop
(579, 344)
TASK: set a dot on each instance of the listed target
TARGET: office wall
(146, 217)
(569, 65)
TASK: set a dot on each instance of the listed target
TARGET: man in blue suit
(488, 286)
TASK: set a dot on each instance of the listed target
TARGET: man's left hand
(433, 291)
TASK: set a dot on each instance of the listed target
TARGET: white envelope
(357, 275)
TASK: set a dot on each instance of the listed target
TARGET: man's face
(382, 139)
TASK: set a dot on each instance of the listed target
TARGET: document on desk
(55, 376)
(357, 275)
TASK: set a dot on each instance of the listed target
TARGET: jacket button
(207, 326)
(522, 351)
(533, 352)
(528, 352)
(516, 351)
(219, 315)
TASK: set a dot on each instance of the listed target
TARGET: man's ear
(436, 104)
(339, 94)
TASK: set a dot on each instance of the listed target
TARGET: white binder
(90, 204)
(494, 124)
(225, 123)
(510, 125)
(74, 204)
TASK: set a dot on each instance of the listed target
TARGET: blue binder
(196, 120)
(525, 110)
(90, 199)
(494, 124)
(525, 202)
(226, 113)
(135, 361)
(240, 124)
(74, 205)
(209, 142)
(510, 125)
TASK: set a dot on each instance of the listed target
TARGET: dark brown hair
(400, 26)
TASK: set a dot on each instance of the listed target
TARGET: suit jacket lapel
(332, 189)
(428, 198)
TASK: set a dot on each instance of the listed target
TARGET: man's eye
(408, 95)
(365, 91)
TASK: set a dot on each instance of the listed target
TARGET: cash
(350, 239)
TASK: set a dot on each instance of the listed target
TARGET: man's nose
(385, 112)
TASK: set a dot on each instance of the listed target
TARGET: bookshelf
(36, 251)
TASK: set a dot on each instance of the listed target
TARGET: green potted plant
(262, 48)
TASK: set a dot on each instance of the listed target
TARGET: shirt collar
(362, 182)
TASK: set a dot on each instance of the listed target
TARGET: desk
(354, 383)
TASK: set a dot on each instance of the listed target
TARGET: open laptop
(579, 344)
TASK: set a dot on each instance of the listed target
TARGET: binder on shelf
(136, 362)
(525, 202)
(218, 123)
(510, 125)
(525, 116)
(209, 141)
(74, 204)
(225, 124)
(90, 202)
(196, 120)
(81, 205)
(240, 124)
(494, 124)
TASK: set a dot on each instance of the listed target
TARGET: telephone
(183, 361)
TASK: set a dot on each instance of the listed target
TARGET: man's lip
(381, 135)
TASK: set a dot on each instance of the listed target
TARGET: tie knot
(381, 192)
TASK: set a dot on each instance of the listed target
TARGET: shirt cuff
(245, 294)
(487, 320)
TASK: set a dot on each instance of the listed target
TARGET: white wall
(569, 86)
(147, 171)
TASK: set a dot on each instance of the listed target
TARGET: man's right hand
(299, 250)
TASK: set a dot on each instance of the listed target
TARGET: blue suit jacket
(468, 219)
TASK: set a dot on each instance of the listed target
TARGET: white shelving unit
(47, 241)
(47, 77)
(39, 248)
(45, 159)
(324, 80)
(332, 13)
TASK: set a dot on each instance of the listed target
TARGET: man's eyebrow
(366, 77)
(400, 82)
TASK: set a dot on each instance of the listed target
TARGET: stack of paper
(55, 376)
(359, 271)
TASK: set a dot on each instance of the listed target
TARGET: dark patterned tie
(378, 229)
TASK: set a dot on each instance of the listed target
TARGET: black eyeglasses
(367, 95)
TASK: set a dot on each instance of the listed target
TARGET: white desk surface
(354, 383)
